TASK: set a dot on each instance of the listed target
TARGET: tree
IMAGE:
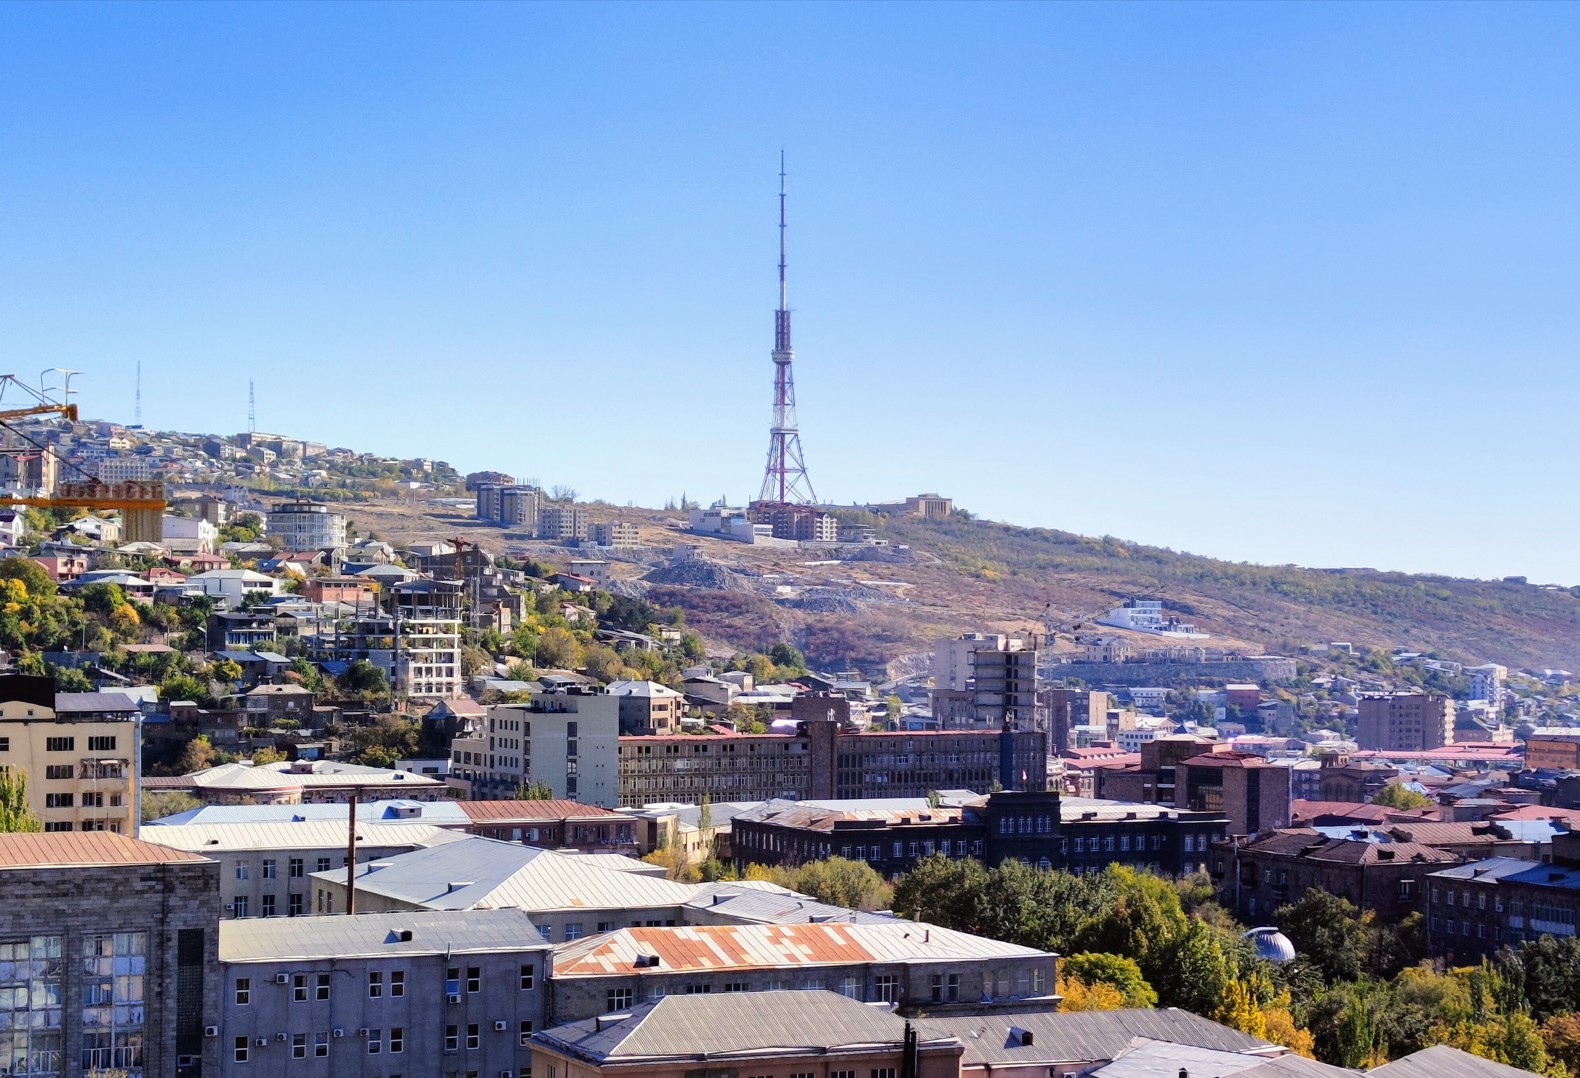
(30, 573)
(227, 670)
(558, 648)
(1326, 930)
(535, 791)
(363, 680)
(1545, 973)
(199, 755)
(15, 815)
(893, 707)
(788, 658)
(1398, 796)
(1081, 996)
(1111, 969)
(1195, 971)
(841, 881)
(159, 804)
(71, 679)
(267, 755)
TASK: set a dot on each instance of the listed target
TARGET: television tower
(252, 409)
(137, 409)
(784, 480)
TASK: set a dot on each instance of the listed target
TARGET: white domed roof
(1271, 944)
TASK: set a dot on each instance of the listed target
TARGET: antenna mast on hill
(252, 409)
(785, 481)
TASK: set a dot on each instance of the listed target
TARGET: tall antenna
(137, 408)
(252, 409)
(784, 480)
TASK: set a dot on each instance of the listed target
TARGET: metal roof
(1441, 1061)
(1149, 1058)
(758, 946)
(281, 775)
(395, 810)
(736, 1023)
(536, 811)
(79, 848)
(279, 939)
(295, 835)
(69, 702)
(1084, 1036)
(775, 906)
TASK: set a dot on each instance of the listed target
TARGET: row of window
(69, 744)
(1448, 923)
(886, 988)
(1481, 899)
(378, 982)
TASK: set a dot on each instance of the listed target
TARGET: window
(375, 1041)
(298, 1046)
(298, 988)
(322, 986)
(606, 926)
(573, 931)
(473, 1039)
(321, 1044)
(57, 801)
(841, 1074)
(452, 981)
(882, 1072)
(5, 744)
(241, 1050)
(323, 865)
(850, 988)
(295, 868)
(268, 905)
(293, 905)
(242, 904)
(619, 999)
(101, 744)
(452, 1038)
(243, 991)
(524, 1033)
(113, 965)
(474, 979)
(59, 771)
(397, 1039)
(64, 744)
(241, 870)
(375, 984)
(268, 868)
(398, 983)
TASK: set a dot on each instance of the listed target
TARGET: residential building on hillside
(107, 957)
(307, 526)
(568, 740)
(910, 966)
(1405, 722)
(417, 993)
(811, 1033)
(616, 534)
(1042, 829)
(80, 753)
(647, 708)
(562, 522)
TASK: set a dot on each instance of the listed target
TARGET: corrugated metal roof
(302, 834)
(1441, 1061)
(756, 946)
(555, 809)
(448, 813)
(74, 848)
(280, 775)
(267, 939)
(1087, 1036)
(735, 1023)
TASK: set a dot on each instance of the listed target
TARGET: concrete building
(427, 657)
(232, 585)
(568, 740)
(1250, 791)
(404, 993)
(911, 966)
(1066, 709)
(187, 535)
(514, 506)
(79, 751)
(562, 522)
(983, 680)
(107, 957)
(307, 526)
(616, 534)
(646, 707)
(294, 782)
(264, 866)
(1554, 752)
(1474, 910)
(811, 1033)
(1405, 722)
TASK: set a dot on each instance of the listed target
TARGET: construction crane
(140, 503)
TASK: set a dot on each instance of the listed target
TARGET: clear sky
(1278, 282)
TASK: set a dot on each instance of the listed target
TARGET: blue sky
(1279, 282)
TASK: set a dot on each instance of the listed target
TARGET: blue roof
(435, 812)
(1493, 868)
(1546, 875)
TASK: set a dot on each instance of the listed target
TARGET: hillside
(879, 610)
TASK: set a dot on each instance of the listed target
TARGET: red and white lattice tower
(784, 480)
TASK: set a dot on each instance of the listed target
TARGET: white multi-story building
(1147, 616)
(307, 526)
(1486, 683)
(124, 470)
(570, 741)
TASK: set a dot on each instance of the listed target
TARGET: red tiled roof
(1536, 812)
(1227, 759)
(535, 810)
(1301, 809)
(83, 848)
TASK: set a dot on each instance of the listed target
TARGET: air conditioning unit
(501, 1025)
(260, 1042)
(506, 1074)
(229, 906)
(455, 997)
(211, 1031)
(282, 978)
(279, 1036)
(363, 1033)
(339, 1033)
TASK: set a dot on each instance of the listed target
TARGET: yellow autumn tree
(1080, 996)
(1241, 1010)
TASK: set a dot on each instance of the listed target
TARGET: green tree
(30, 573)
(1545, 973)
(841, 881)
(788, 659)
(198, 755)
(362, 680)
(1193, 971)
(159, 804)
(1398, 796)
(535, 791)
(559, 648)
(71, 679)
(15, 815)
(893, 707)
(1112, 969)
(1326, 931)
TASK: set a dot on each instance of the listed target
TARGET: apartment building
(569, 740)
(984, 680)
(419, 993)
(615, 534)
(79, 752)
(1405, 722)
(562, 522)
(648, 708)
(107, 957)
(306, 526)
(1552, 752)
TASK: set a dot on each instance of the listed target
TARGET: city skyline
(1278, 284)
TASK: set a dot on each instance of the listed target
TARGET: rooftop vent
(455, 885)
(604, 1021)
(1020, 1036)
